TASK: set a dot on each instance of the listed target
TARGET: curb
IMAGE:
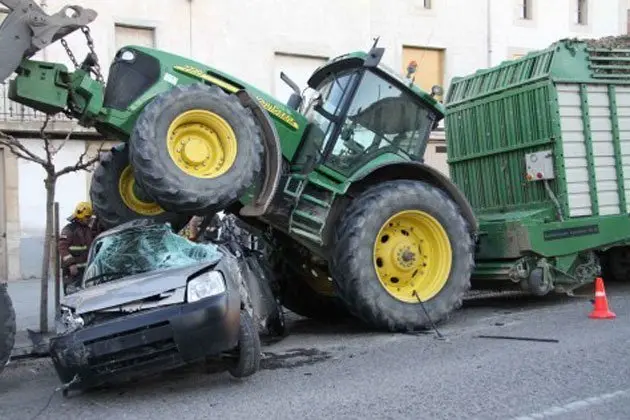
(31, 344)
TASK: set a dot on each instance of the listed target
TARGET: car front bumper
(147, 342)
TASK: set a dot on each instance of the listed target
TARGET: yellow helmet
(83, 210)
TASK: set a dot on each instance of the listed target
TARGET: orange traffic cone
(601, 310)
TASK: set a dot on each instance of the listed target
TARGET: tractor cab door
(325, 113)
(381, 118)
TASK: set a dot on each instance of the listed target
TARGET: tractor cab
(361, 110)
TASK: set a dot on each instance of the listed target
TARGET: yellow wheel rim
(202, 144)
(134, 198)
(412, 252)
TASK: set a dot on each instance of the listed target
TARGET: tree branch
(46, 139)
(83, 164)
(19, 150)
(56, 150)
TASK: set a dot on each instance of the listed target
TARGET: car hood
(132, 289)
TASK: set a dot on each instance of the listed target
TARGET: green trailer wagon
(541, 148)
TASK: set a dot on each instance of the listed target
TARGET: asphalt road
(344, 372)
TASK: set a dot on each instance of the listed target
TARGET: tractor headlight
(127, 55)
(206, 285)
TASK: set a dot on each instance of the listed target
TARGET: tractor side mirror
(295, 100)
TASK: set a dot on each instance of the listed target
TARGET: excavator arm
(45, 86)
(28, 29)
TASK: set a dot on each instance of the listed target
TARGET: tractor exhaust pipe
(28, 29)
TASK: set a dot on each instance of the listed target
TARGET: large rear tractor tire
(397, 242)
(196, 149)
(7, 326)
(117, 198)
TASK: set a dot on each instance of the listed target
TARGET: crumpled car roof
(143, 246)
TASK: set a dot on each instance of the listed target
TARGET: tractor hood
(156, 288)
(28, 29)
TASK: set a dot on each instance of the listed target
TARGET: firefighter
(191, 230)
(74, 243)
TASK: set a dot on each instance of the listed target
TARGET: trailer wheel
(117, 198)
(618, 263)
(7, 325)
(196, 149)
(397, 239)
(247, 354)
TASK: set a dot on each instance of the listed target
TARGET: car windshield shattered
(142, 249)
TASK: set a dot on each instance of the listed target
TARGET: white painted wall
(243, 37)
(552, 20)
(32, 199)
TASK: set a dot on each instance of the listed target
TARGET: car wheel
(247, 354)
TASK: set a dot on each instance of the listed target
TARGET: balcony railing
(12, 112)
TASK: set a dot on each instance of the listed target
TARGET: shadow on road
(309, 342)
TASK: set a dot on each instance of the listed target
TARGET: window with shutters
(134, 35)
(581, 17)
(429, 65)
(526, 9)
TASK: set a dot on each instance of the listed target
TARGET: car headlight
(209, 284)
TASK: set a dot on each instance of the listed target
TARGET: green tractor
(336, 178)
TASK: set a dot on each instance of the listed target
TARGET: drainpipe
(190, 31)
(489, 32)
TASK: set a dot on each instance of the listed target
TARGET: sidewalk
(25, 295)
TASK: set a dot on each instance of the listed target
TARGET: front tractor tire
(196, 149)
(397, 242)
(117, 198)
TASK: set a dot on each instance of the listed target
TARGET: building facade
(255, 40)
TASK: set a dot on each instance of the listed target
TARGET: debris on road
(505, 337)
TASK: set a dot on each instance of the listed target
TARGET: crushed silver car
(152, 300)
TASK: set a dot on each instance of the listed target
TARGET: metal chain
(90, 43)
(69, 52)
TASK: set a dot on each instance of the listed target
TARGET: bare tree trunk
(49, 183)
(56, 259)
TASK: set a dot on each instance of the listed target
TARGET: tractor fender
(273, 157)
(417, 171)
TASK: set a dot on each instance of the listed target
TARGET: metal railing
(12, 112)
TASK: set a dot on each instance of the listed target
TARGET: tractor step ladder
(312, 205)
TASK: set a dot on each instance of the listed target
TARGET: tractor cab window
(324, 114)
(381, 118)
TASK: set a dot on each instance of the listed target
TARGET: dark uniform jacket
(74, 243)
